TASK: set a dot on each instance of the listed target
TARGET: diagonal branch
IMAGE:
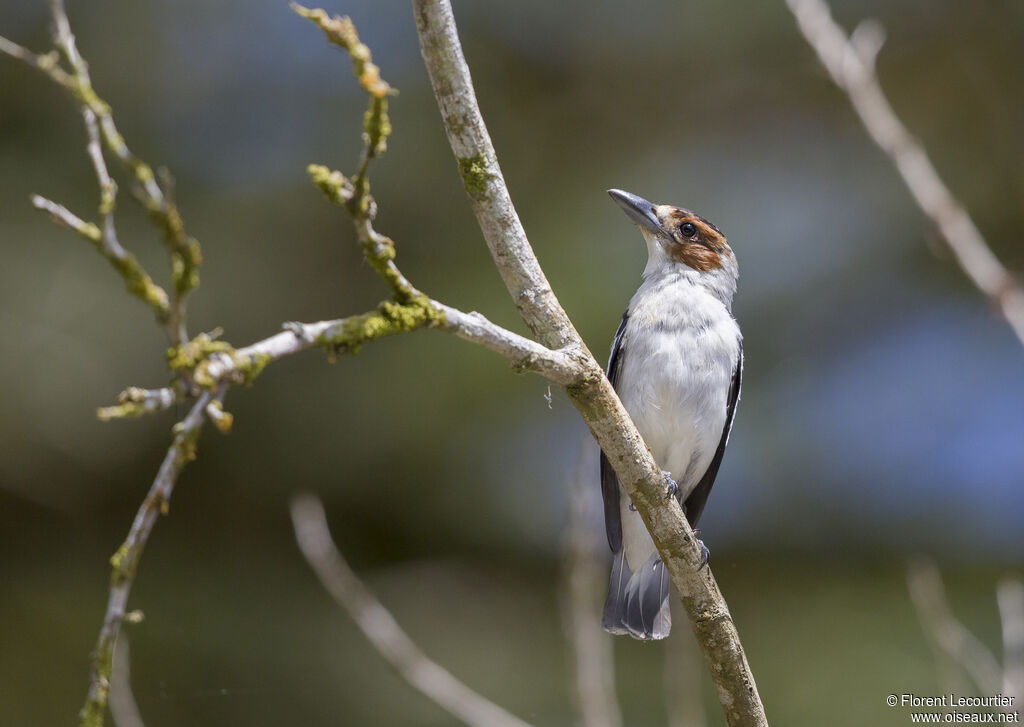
(952, 638)
(136, 279)
(851, 64)
(583, 580)
(1010, 597)
(482, 178)
(156, 200)
(379, 626)
(126, 559)
(591, 394)
(123, 708)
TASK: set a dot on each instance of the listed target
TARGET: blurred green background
(883, 406)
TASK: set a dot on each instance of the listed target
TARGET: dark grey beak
(639, 209)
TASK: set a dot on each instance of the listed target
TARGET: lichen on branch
(341, 31)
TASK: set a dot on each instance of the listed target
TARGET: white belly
(680, 349)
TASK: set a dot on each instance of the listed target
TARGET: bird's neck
(719, 284)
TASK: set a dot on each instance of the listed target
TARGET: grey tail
(637, 603)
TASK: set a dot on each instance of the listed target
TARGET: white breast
(680, 348)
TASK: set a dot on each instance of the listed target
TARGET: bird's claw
(705, 554)
(673, 486)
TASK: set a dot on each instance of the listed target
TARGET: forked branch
(850, 61)
(381, 628)
(591, 394)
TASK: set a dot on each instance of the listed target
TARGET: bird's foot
(705, 554)
(673, 487)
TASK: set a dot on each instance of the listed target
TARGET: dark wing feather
(698, 498)
(609, 482)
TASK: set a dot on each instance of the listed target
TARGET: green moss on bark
(390, 318)
(475, 176)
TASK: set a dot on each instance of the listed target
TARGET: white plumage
(676, 364)
(683, 345)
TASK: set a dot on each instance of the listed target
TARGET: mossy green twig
(135, 401)
(376, 123)
(125, 561)
(137, 280)
(342, 32)
(158, 201)
(348, 335)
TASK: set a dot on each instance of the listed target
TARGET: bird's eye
(688, 229)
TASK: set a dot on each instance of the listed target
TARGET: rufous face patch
(693, 240)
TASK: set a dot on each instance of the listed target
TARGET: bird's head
(678, 239)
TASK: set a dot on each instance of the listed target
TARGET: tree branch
(592, 394)
(583, 579)
(158, 202)
(126, 559)
(681, 674)
(345, 335)
(1010, 597)
(123, 708)
(380, 627)
(954, 640)
(564, 358)
(850, 63)
(482, 178)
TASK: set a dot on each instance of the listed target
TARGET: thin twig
(591, 394)
(123, 708)
(134, 401)
(682, 672)
(584, 578)
(959, 645)
(850, 63)
(48, 63)
(242, 365)
(126, 560)
(380, 627)
(136, 279)
(65, 217)
(99, 121)
(1010, 596)
(482, 177)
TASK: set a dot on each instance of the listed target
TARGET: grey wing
(609, 482)
(698, 498)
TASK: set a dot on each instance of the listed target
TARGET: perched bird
(676, 363)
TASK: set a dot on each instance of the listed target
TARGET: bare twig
(126, 559)
(957, 643)
(134, 401)
(66, 218)
(682, 679)
(184, 250)
(123, 708)
(1010, 596)
(592, 394)
(48, 63)
(584, 578)
(380, 627)
(482, 177)
(850, 63)
(136, 279)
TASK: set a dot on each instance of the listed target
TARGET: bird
(677, 364)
